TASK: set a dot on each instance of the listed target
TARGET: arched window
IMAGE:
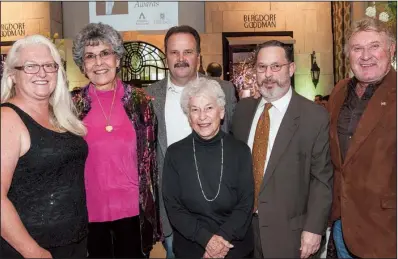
(143, 64)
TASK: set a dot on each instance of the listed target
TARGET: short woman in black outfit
(208, 181)
(43, 205)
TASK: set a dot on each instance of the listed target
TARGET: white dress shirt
(276, 113)
(177, 125)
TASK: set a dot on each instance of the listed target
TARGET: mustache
(268, 81)
(181, 64)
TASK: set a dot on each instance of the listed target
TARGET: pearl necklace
(197, 170)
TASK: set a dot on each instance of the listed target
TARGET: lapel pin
(383, 103)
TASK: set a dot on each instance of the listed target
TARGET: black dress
(194, 219)
(48, 192)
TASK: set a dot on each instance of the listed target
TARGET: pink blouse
(111, 174)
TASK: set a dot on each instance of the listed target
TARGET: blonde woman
(43, 205)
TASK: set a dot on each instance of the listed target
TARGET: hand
(310, 244)
(222, 254)
(45, 254)
(217, 247)
(38, 253)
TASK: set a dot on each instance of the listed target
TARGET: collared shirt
(177, 125)
(276, 114)
(351, 112)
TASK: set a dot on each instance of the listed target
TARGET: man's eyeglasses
(35, 68)
(105, 54)
(274, 68)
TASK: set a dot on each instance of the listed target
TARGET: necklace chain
(197, 170)
(108, 119)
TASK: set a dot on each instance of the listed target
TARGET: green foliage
(390, 8)
(392, 5)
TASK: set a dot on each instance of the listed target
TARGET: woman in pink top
(120, 175)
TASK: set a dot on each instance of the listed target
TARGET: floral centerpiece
(244, 77)
(386, 12)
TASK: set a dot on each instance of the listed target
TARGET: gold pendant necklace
(108, 127)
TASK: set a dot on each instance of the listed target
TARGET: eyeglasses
(274, 68)
(35, 68)
(105, 54)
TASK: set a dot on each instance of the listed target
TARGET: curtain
(341, 22)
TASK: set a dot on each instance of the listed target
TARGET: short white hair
(64, 115)
(202, 87)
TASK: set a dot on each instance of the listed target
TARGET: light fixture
(315, 70)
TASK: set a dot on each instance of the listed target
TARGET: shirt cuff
(203, 236)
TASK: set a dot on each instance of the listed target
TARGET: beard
(272, 89)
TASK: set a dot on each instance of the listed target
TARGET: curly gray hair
(92, 35)
(202, 86)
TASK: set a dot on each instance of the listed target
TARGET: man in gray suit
(289, 138)
(182, 45)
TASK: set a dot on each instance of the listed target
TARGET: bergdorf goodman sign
(259, 20)
(12, 29)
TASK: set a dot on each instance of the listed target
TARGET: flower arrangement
(385, 12)
(244, 76)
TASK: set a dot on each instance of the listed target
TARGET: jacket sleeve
(320, 193)
(180, 218)
(236, 226)
(150, 165)
(230, 104)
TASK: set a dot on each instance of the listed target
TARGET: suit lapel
(338, 102)
(159, 106)
(372, 114)
(285, 133)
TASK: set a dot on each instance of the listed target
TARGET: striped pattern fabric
(341, 22)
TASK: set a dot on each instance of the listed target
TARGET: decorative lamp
(315, 70)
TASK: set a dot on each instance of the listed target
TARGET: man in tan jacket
(363, 143)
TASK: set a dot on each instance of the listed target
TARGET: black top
(195, 220)
(351, 112)
(47, 187)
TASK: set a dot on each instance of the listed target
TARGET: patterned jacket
(139, 109)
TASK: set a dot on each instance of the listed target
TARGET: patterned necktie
(259, 152)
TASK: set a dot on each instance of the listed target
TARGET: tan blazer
(365, 186)
(296, 193)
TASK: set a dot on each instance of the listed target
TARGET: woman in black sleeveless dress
(43, 205)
